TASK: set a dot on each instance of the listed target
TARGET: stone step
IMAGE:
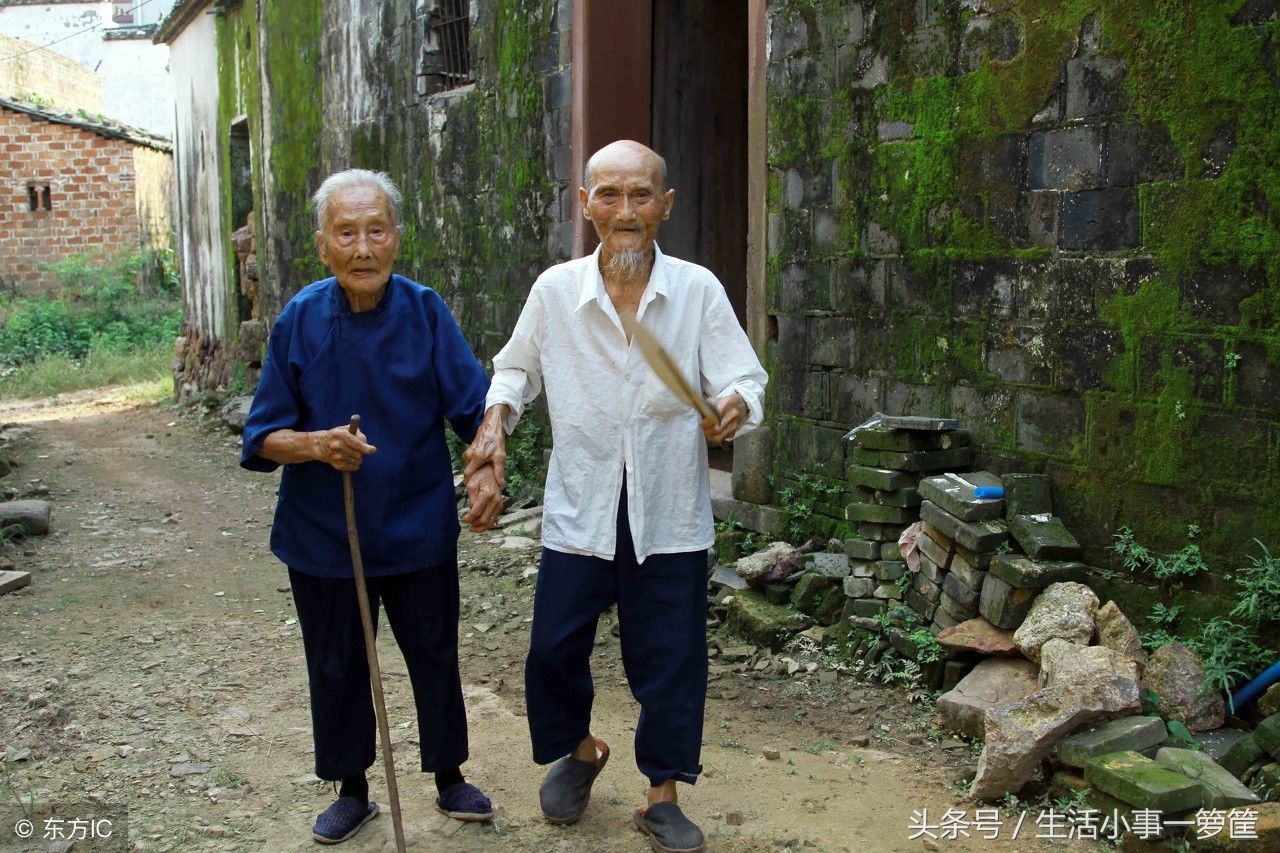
(1044, 537)
(1220, 789)
(1136, 734)
(10, 581)
(954, 493)
(1141, 782)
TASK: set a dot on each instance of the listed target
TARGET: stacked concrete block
(889, 460)
(960, 532)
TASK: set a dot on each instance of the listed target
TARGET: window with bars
(444, 61)
(39, 197)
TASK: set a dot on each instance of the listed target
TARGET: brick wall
(91, 182)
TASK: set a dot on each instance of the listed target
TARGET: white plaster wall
(197, 175)
(135, 86)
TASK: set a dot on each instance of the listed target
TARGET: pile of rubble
(1033, 665)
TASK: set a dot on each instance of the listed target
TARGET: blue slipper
(342, 819)
(465, 801)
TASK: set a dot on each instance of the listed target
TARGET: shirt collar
(591, 284)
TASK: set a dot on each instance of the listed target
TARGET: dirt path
(156, 661)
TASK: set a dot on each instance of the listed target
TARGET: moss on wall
(1176, 366)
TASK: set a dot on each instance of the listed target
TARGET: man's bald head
(626, 153)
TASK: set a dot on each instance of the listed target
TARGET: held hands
(484, 471)
(733, 412)
(340, 448)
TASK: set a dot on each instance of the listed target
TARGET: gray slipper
(566, 790)
(668, 829)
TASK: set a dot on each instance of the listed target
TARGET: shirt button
(627, 377)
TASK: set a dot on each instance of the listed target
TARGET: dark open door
(699, 124)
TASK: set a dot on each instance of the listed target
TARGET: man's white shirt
(609, 410)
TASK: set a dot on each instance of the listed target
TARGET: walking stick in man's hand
(371, 651)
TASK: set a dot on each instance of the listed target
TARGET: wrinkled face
(359, 243)
(626, 203)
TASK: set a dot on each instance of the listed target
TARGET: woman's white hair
(355, 178)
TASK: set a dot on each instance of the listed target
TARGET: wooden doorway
(674, 75)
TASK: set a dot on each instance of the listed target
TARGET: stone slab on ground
(879, 478)
(1127, 734)
(993, 682)
(10, 581)
(1021, 734)
(1176, 675)
(1005, 606)
(1242, 755)
(727, 577)
(955, 494)
(1018, 570)
(1217, 743)
(1044, 537)
(1267, 735)
(1219, 788)
(25, 517)
(1027, 494)
(974, 535)
(809, 592)
(750, 615)
(980, 636)
(1141, 782)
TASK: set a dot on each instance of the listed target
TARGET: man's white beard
(627, 264)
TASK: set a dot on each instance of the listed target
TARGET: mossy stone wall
(483, 168)
(1055, 221)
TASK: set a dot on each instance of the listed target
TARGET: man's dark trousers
(422, 607)
(662, 616)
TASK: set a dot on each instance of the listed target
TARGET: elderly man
(376, 344)
(628, 508)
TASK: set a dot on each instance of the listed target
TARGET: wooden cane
(371, 651)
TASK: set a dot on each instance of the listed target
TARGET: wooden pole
(371, 651)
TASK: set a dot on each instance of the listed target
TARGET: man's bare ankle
(664, 793)
(586, 751)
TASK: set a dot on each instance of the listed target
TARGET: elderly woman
(370, 342)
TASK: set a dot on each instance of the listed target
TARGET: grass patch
(147, 369)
